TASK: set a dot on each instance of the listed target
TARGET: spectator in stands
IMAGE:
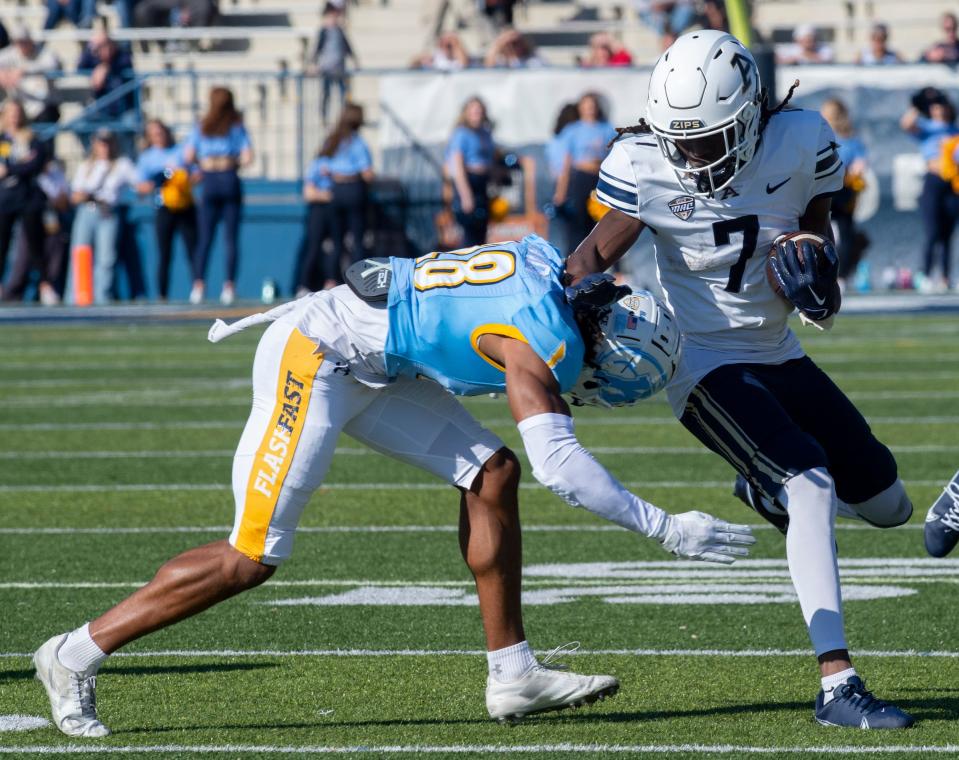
(351, 168)
(25, 75)
(947, 49)
(605, 50)
(57, 222)
(196, 13)
(668, 18)
(319, 270)
(853, 153)
(715, 16)
(4, 37)
(511, 49)
(806, 48)
(220, 146)
(97, 192)
(556, 148)
(447, 55)
(78, 12)
(931, 119)
(555, 155)
(111, 69)
(878, 52)
(125, 10)
(22, 157)
(469, 159)
(161, 13)
(585, 144)
(329, 58)
(499, 12)
(163, 173)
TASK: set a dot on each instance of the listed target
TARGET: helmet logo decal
(683, 206)
(745, 70)
(686, 124)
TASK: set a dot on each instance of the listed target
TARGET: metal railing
(281, 113)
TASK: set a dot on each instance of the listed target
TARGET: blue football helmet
(634, 356)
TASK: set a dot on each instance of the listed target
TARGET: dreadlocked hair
(637, 129)
(765, 114)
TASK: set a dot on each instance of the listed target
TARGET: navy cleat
(942, 521)
(854, 707)
(771, 511)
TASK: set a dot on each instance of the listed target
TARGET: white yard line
(173, 487)
(346, 451)
(335, 529)
(639, 652)
(612, 420)
(179, 383)
(174, 398)
(470, 749)
(113, 399)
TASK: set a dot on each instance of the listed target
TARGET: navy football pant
(774, 421)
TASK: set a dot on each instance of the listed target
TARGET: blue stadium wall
(270, 235)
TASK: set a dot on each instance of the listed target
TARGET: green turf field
(115, 452)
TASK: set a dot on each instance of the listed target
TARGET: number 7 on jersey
(749, 226)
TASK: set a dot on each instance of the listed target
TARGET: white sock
(810, 499)
(836, 679)
(510, 663)
(80, 652)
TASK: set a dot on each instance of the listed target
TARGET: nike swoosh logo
(815, 298)
(770, 189)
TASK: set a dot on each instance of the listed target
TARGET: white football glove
(696, 535)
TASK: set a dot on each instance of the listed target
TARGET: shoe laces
(85, 688)
(950, 517)
(863, 699)
(549, 661)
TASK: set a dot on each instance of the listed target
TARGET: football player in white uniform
(718, 177)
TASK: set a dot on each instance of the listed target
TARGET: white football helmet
(704, 106)
(635, 353)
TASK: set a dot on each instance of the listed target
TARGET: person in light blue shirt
(350, 168)
(586, 143)
(850, 244)
(319, 269)
(162, 172)
(554, 153)
(220, 146)
(469, 158)
(938, 204)
(555, 149)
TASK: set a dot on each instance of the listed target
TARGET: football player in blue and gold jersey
(380, 359)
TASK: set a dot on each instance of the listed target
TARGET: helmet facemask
(707, 160)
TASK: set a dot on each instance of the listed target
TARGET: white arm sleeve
(562, 465)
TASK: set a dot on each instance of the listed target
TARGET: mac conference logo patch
(683, 206)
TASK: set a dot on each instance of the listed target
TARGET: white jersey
(711, 252)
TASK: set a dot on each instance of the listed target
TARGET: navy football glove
(808, 277)
(594, 292)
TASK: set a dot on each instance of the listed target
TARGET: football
(798, 236)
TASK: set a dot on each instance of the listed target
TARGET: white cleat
(544, 688)
(73, 695)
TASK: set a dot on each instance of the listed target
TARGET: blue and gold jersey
(440, 305)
